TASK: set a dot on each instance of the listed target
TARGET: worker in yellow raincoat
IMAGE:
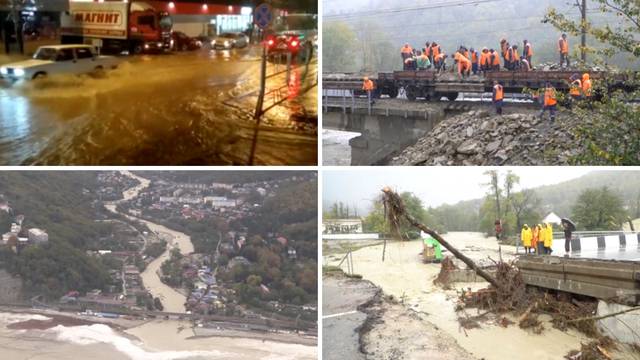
(548, 238)
(526, 236)
(535, 240)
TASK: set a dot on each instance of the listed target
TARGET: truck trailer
(134, 26)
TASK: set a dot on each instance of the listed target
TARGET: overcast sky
(434, 185)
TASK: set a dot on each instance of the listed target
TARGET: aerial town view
(478, 263)
(112, 82)
(158, 265)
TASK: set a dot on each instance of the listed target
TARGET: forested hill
(229, 177)
(558, 198)
(379, 34)
(561, 197)
(53, 201)
(58, 203)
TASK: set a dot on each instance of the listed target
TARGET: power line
(385, 12)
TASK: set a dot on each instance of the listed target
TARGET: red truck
(133, 26)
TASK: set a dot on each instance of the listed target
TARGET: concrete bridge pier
(383, 133)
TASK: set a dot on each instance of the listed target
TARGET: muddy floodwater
(404, 276)
(178, 109)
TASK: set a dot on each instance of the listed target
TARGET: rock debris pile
(480, 138)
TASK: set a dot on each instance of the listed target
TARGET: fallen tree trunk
(394, 205)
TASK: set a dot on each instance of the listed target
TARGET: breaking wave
(99, 333)
(11, 318)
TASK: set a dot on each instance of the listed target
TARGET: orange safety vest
(496, 59)
(474, 57)
(575, 88)
(503, 48)
(427, 51)
(463, 63)
(499, 92)
(516, 56)
(435, 51)
(586, 88)
(368, 85)
(484, 59)
(550, 97)
(563, 46)
(528, 50)
(406, 50)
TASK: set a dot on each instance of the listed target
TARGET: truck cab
(133, 27)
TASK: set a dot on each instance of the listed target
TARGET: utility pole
(583, 27)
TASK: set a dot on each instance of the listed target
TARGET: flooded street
(404, 276)
(178, 109)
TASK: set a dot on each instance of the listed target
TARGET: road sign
(263, 16)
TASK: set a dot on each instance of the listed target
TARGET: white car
(230, 41)
(59, 59)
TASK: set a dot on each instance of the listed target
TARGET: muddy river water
(158, 110)
(404, 276)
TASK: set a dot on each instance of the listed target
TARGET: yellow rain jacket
(526, 235)
(548, 235)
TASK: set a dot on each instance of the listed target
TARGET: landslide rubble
(481, 138)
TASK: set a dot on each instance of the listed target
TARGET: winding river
(172, 300)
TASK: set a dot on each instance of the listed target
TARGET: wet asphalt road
(340, 299)
(179, 109)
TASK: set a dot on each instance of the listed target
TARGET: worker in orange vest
(435, 50)
(504, 46)
(464, 64)
(527, 52)
(550, 102)
(427, 52)
(575, 87)
(369, 86)
(515, 60)
(475, 61)
(406, 51)
(587, 90)
(563, 49)
(484, 61)
(494, 60)
(498, 97)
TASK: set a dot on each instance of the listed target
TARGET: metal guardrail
(601, 279)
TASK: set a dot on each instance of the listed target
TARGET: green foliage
(339, 210)
(155, 249)
(599, 209)
(55, 268)
(54, 201)
(337, 47)
(620, 35)
(375, 221)
(609, 128)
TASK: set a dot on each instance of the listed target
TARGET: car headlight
(19, 72)
(4, 71)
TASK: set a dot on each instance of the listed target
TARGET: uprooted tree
(397, 216)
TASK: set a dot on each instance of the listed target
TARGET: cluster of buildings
(18, 237)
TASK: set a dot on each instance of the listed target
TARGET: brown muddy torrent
(508, 296)
(157, 110)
